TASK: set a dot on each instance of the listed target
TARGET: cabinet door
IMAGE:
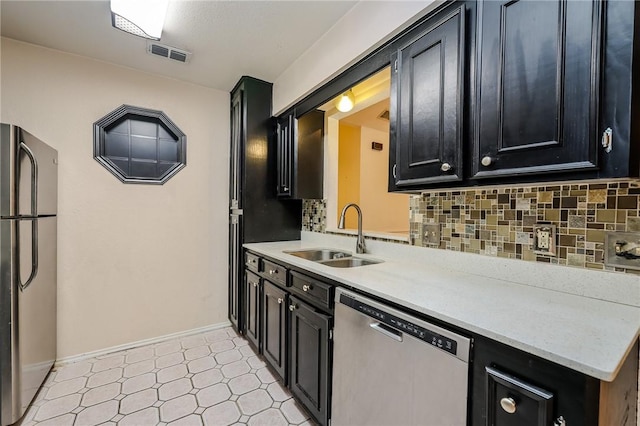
(252, 308)
(235, 178)
(308, 158)
(285, 139)
(309, 375)
(538, 72)
(235, 273)
(427, 94)
(274, 332)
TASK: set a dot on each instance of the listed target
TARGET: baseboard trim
(131, 345)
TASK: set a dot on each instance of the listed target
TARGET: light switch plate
(432, 233)
(629, 241)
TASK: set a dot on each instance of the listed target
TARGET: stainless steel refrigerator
(28, 257)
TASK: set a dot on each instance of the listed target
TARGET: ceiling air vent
(168, 52)
(384, 115)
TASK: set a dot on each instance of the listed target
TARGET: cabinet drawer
(311, 290)
(275, 272)
(513, 402)
(252, 261)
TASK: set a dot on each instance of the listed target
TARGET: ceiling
(370, 117)
(228, 39)
(371, 100)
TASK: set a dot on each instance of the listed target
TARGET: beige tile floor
(213, 378)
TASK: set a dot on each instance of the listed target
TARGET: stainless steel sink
(320, 255)
(350, 262)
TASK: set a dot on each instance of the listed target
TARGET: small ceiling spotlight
(346, 101)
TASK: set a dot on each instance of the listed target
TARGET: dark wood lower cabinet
(252, 293)
(274, 327)
(540, 390)
(292, 327)
(309, 375)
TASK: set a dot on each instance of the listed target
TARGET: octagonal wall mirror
(139, 145)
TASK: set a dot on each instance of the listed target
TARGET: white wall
(134, 261)
(362, 29)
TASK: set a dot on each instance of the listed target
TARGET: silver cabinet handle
(560, 421)
(285, 188)
(395, 168)
(445, 167)
(273, 271)
(607, 140)
(280, 300)
(486, 161)
(255, 284)
(292, 308)
(306, 287)
(508, 405)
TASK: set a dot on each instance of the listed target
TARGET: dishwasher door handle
(387, 331)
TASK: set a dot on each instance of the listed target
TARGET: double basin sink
(334, 258)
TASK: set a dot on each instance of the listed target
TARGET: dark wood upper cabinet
(525, 96)
(300, 155)
(538, 81)
(274, 327)
(427, 89)
(285, 136)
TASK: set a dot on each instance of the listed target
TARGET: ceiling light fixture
(143, 18)
(346, 101)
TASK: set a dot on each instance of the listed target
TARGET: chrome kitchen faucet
(360, 246)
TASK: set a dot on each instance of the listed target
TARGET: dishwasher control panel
(442, 342)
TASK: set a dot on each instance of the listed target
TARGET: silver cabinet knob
(285, 188)
(508, 405)
(273, 271)
(292, 308)
(445, 167)
(255, 284)
(560, 421)
(486, 161)
(280, 300)
(306, 287)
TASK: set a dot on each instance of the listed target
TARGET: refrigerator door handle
(34, 256)
(34, 221)
(34, 178)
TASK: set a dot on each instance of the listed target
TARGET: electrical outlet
(622, 250)
(432, 233)
(544, 239)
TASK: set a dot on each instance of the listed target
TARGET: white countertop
(583, 333)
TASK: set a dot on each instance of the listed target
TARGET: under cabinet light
(144, 18)
(346, 101)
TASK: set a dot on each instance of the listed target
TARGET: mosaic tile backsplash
(499, 221)
(314, 215)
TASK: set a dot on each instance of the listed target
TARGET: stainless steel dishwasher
(390, 368)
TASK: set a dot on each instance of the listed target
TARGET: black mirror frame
(99, 136)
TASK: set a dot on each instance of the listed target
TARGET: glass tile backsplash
(499, 221)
